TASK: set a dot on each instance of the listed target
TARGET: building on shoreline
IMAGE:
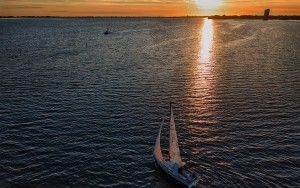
(266, 14)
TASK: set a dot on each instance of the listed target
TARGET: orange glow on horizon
(209, 4)
(145, 7)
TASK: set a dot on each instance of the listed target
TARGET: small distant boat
(173, 167)
(107, 32)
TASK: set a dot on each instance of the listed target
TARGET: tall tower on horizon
(266, 14)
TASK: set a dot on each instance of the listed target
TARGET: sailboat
(107, 32)
(174, 166)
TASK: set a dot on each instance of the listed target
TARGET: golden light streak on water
(206, 41)
(204, 78)
(202, 87)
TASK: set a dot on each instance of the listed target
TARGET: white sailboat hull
(171, 170)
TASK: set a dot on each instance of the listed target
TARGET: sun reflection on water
(202, 102)
(204, 70)
(206, 42)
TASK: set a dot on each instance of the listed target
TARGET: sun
(209, 4)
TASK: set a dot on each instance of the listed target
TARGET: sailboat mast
(174, 151)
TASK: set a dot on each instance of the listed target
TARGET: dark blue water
(81, 109)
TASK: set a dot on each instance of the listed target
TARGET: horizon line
(148, 16)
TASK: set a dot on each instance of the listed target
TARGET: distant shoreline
(255, 17)
(95, 17)
(279, 17)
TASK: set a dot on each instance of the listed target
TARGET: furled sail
(157, 149)
(173, 142)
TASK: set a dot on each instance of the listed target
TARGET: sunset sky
(145, 7)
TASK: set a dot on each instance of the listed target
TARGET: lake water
(82, 109)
